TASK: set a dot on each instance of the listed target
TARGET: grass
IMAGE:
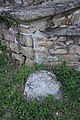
(13, 106)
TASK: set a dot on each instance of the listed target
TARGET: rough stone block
(19, 2)
(29, 62)
(74, 65)
(76, 17)
(28, 29)
(58, 51)
(41, 58)
(69, 42)
(15, 47)
(42, 50)
(54, 63)
(5, 31)
(27, 2)
(79, 41)
(23, 28)
(61, 39)
(53, 38)
(46, 44)
(27, 40)
(63, 21)
(9, 35)
(41, 84)
(39, 24)
(70, 57)
(9, 38)
(18, 57)
(38, 37)
(59, 45)
(12, 31)
(38, 1)
(28, 52)
(56, 23)
(51, 58)
(40, 13)
(75, 49)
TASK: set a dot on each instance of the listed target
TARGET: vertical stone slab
(41, 52)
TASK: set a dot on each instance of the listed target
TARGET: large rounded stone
(41, 84)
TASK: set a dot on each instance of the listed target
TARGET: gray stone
(15, 47)
(27, 40)
(29, 62)
(39, 12)
(9, 38)
(27, 51)
(18, 57)
(69, 42)
(79, 41)
(39, 24)
(38, 1)
(70, 57)
(61, 39)
(76, 17)
(75, 49)
(58, 51)
(41, 58)
(59, 45)
(41, 84)
(18, 1)
(27, 2)
(53, 58)
(66, 31)
(27, 29)
(37, 37)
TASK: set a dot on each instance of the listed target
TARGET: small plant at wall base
(3, 56)
(6, 22)
(2, 47)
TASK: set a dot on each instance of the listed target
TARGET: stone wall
(49, 38)
(27, 2)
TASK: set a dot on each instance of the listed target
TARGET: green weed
(7, 23)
